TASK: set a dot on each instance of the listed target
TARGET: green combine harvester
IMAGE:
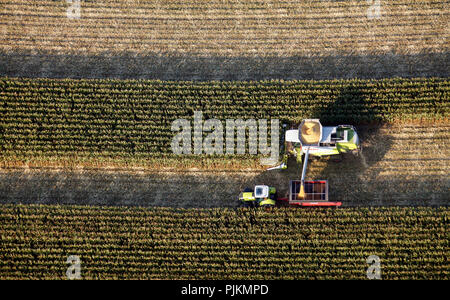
(310, 138)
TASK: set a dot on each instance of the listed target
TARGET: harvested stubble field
(107, 142)
(225, 40)
(158, 243)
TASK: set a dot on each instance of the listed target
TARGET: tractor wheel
(249, 204)
(267, 206)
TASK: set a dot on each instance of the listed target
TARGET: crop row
(133, 118)
(165, 243)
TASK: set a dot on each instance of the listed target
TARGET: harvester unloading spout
(301, 194)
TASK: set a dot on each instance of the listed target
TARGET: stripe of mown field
(235, 28)
(231, 40)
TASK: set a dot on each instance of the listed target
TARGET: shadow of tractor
(349, 176)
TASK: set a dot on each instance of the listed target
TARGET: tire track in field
(397, 178)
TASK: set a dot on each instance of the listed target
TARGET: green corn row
(131, 119)
(164, 243)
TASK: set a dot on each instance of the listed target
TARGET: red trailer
(315, 194)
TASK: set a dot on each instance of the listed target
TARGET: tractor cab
(261, 191)
(262, 195)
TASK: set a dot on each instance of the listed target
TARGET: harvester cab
(321, 140)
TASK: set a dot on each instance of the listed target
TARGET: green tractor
(262, 196)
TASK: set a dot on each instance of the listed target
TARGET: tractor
(262, 196)
(310, 138)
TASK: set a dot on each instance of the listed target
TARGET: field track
(400, 165)
(225, 40)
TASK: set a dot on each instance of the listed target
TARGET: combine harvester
(311, 138)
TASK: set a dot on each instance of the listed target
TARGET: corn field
(90, 90)
(137, 243)
(130, 121)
